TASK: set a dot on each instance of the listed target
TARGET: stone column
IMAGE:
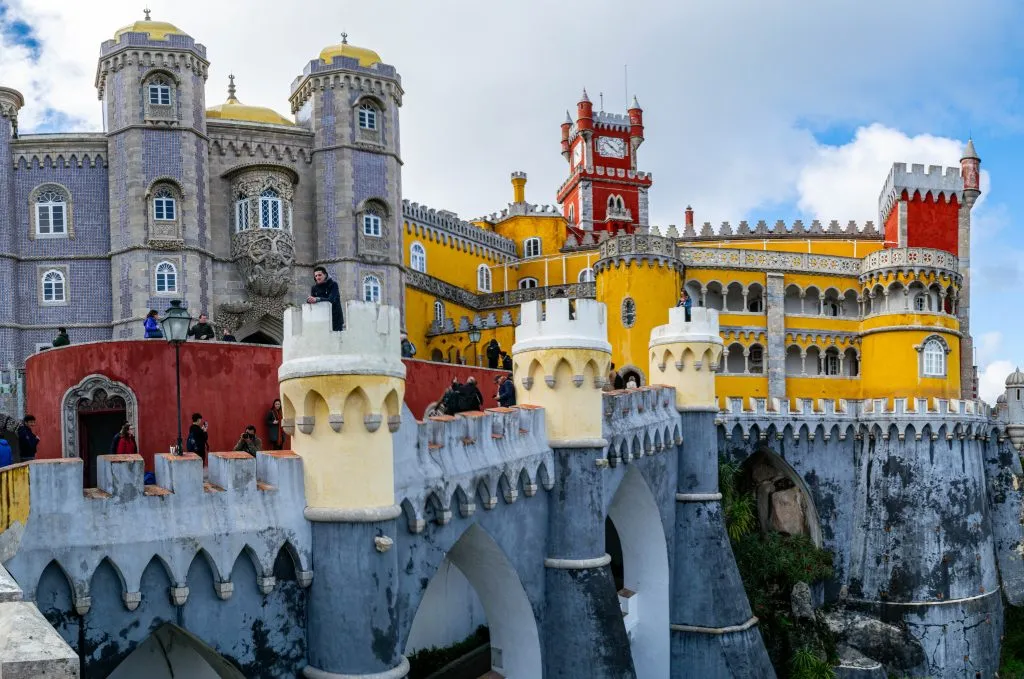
(963, 312)
(714, 633)
(775, 297)
(10, 353)
(348, 464)
(583, 629)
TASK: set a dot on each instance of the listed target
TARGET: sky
(794, 109)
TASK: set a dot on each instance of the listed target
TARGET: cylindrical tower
(714, 632)
(342, 394)
(11, 102)
(638, 278)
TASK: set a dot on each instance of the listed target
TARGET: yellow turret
(684, 354)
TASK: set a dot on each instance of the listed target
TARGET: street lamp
(474, 337)
(175, 325)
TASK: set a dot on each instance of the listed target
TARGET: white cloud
(992, 380)
(988, 347)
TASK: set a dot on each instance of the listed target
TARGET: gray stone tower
(151, 78)
(970, 172)
(349, 99)
(10, 102)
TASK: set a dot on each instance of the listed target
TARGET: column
(775, 295)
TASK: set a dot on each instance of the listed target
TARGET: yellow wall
(14, 496)
(573, 413)
(890, 365)
(446, 261)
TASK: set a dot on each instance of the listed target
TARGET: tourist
(249, 442)
(506, 392)
(615, 381)
(6, 454)
(27, 439)
(408, 348)
(275, 429)
(326, 290)
(62, 339)
(198, 436)
(202, 330)
(471, 399)
(493, 351)
(451, 399)
(124, 441)
(506, 361)
(686, 303)
(152, 326)
(227, 336)
(631, 384)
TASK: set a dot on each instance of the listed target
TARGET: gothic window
(628, 312)
(54, 290)
(241, 214)
(531, 247)
(368, 117)
(270, 210)
(527, 283)
(417, 257)
(586, 276)
(483, 278)
(371, 289)
(832, 362)
(165, 208)
(920, 303)
(159, 92)
(934, 358)
(166, 278)
(371, 225)
(616, 204)
(756, 359)
(51, 212)
(439, 313)
(572, 214)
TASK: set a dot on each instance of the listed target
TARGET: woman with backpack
(124, 441)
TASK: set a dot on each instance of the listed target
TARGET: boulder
(875, 639)
(800, 601)
(788, 512)
(855, 665)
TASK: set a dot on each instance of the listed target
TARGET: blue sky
(791, 109)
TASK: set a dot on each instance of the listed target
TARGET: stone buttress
(714, 633)
(342, 394)
(559, 364)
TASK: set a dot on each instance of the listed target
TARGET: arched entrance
(172, 652)
(639, 540)
(259, 337)
(515, 642)
(93, 412)
(784, 503)
(632, 372)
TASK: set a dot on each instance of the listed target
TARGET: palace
(230, 206)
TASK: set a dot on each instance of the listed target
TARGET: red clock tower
(604, 191)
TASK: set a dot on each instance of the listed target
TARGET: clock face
(577, 155)
(610, 147)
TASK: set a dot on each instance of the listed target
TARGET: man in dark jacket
(326, 290)
(493, 351)
(506, 392)
(471, 399)
(198, 437)
(62, 339)
(506, 361)
(202, 330)
(27, 439)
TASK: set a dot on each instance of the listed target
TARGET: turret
(970, 170)
(585, 115)
(636, 124)
(684, 354)
(1015, 408)
(518, 187)
(566, 127)
(559, 363)
(688, 219)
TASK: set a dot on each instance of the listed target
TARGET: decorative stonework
(265, 258)
(95, 392)
(910, 260)
(759, 260)
(164, 234)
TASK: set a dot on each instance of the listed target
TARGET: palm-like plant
(738, 508)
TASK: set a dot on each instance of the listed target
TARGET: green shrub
(426, 661)
(807, 665)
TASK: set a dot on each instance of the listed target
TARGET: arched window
(531, 247)
(832, 361)
(934, 359)
(241, 214)
(921, 302)
(270, 209)
(368, 117)
(526, 283)
(166, 278)
(586, 276)
(159, 92)
(51, 213)
(417, 257)
(165, 208)
(439, 313)
(756, 359)
(54, 291)
(371, 289)
(628, 312)
(483, 278)
(371, 224)
(572, 214)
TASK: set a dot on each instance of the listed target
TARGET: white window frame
(55, 278)
(271, 209)
(439, 312)
(933, 358)
(585, 276)
(756, 363)
(159, 93)
(572, 214)
(418, 257)
(165, 206)
(49, 209)
(372, 225)
(483, 278)
(531, 248)
(241, 215)
(168, 272)
(920, 302)
(368, 117)
(528, 283)
(832, 364)
(371, 289)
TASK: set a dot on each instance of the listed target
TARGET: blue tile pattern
(161, 154)
(370, 171)
(90, 210)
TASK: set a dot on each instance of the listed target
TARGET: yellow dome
(157, 30)
(232, 109)
(365, 56)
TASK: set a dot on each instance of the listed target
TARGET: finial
(146, 12)
(344, 38)
(635, 104)
(568, 118)
(585, 97)
(231, 86)
(600, 96)
(969, 151)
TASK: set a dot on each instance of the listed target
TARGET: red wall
(933, 223)
(232, 385)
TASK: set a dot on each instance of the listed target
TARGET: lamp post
(474, 337)
(175, 325)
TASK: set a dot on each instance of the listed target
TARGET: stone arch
(634, 513)
(87, 391)
(171, 651)
(509, 613)
(766, 467)
(631, 370)
(267, 326)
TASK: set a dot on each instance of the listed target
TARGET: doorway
(99, 420)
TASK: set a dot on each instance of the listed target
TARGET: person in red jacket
(124, 442)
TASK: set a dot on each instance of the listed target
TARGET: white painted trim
(578, 564)
(357, 515)
(698, 497)
(944, 602)
(578, 443)
(702, 409)
(399, 672)
(715, 630)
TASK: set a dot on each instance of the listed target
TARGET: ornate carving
(94, 389)
(265, 258)
(101, 400)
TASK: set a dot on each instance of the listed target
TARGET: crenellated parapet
(640, 422)
(780, 230)
(685, 354)
(940, 183)
(474, 461)
(180, 518)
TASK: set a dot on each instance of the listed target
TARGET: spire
(969, 151)
(568, 118)
(635, 104)
(344, 38)
(231, 88)
(146, 12)
(585, 97)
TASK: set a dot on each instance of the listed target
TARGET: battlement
(797, 229)
(941, 183)
(910, 258)
(450, 223)
(548, 325)
(370, 344)
(260, 499)
(702, 327)
(522, 209)
(640, 422)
